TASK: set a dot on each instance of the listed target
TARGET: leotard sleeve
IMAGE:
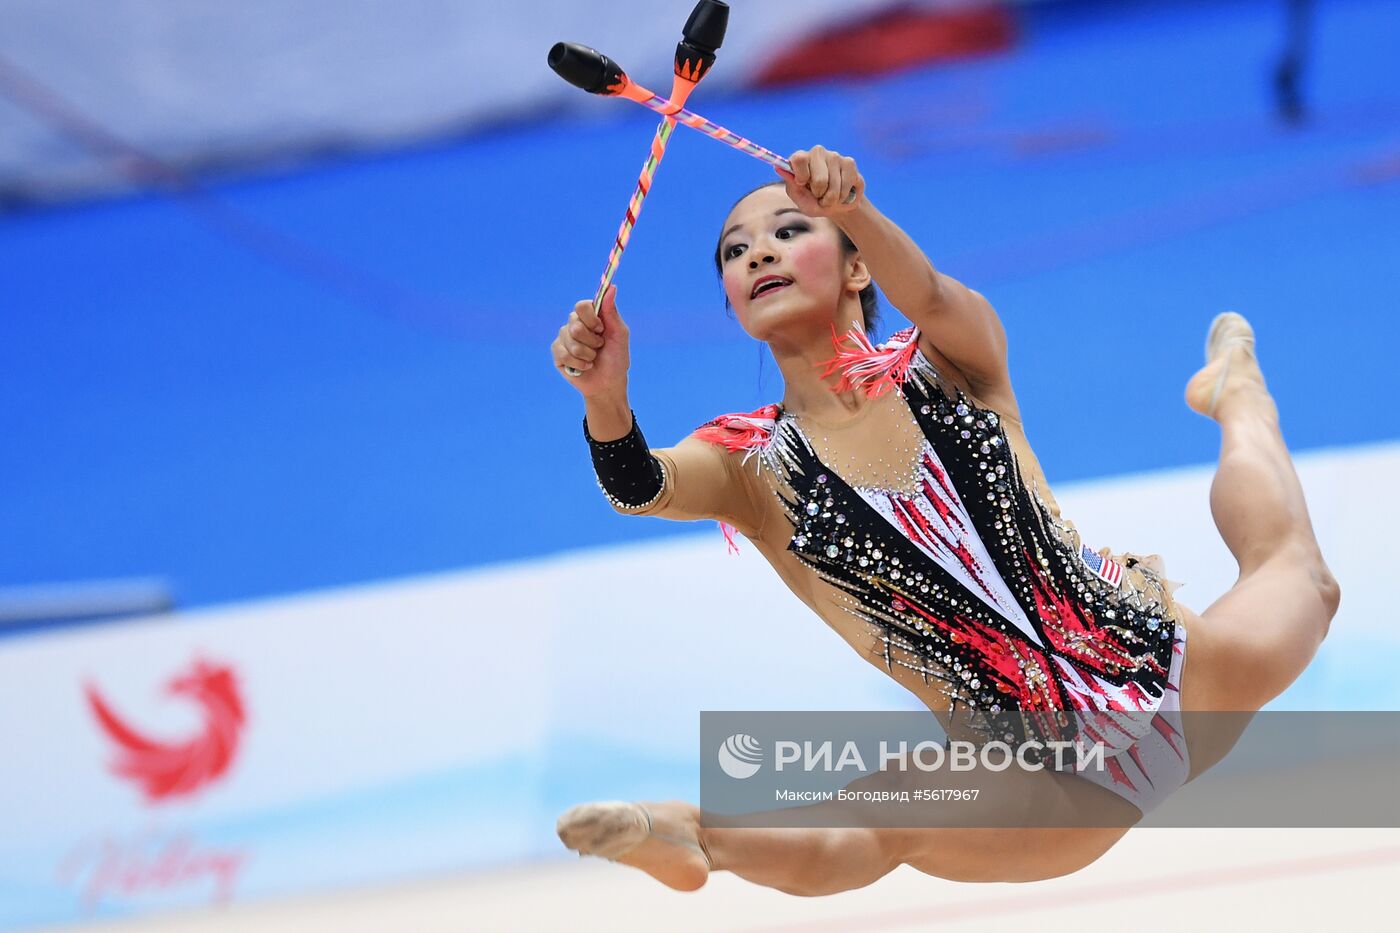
(691, 481)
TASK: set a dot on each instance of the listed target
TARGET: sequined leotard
(924, 532)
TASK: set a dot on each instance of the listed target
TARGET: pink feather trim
(740, 431)
(746, 431)
(729, 530)
(878, 369)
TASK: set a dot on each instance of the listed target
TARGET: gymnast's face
(780, 266)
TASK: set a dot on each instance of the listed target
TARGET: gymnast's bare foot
(662, 839)
(1231, 371)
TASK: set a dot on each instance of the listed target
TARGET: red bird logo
(165, 770)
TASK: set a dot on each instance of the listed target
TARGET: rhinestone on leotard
(967, 506)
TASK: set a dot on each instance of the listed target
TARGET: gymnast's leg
(667, 840)
(1258, 637)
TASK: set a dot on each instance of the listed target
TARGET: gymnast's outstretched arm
(958, 321)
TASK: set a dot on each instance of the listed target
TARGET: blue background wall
(341, 373)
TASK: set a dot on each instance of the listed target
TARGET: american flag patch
(1103, 568)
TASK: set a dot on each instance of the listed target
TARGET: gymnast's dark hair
(869, 302)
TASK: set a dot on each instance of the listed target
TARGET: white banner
(440, 724)
(192, 80)
(388, 731)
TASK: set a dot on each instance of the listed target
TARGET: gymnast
(895, 493)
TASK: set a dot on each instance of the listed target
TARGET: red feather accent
(745, 431)
(878, 369)
(729, 530)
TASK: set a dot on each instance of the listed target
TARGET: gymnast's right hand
(597, 344)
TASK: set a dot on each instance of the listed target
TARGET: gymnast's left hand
(823, 183)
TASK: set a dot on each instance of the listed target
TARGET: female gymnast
(894, 491)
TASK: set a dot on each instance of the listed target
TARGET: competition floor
(1200, 879)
